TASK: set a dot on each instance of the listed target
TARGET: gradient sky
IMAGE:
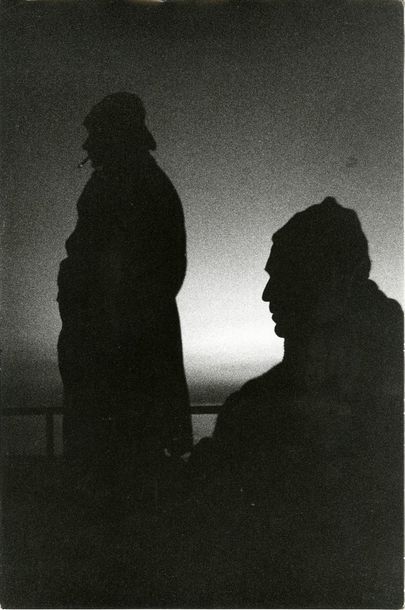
(258, 110)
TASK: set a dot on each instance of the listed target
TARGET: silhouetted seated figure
(302, 479)
(120, 350)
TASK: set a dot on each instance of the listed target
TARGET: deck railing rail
(50, 412)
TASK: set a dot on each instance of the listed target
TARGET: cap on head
(121, 116)
(324, 236)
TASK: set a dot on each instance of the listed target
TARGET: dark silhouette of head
(116, 127)
(317, 259)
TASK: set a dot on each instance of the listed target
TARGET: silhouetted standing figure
(120, 349)
(306, 461)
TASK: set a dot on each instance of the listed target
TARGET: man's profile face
(291, 291)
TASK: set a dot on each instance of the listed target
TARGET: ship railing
(49, 414)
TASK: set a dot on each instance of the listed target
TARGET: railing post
(50, 449)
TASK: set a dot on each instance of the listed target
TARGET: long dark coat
(120, 350)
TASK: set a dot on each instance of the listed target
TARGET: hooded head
(316, 260)
(116, 125)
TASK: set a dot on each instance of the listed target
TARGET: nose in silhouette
(266, 293)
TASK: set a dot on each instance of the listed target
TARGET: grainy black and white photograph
(201, 301)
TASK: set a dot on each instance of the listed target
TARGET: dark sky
(258, 109)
